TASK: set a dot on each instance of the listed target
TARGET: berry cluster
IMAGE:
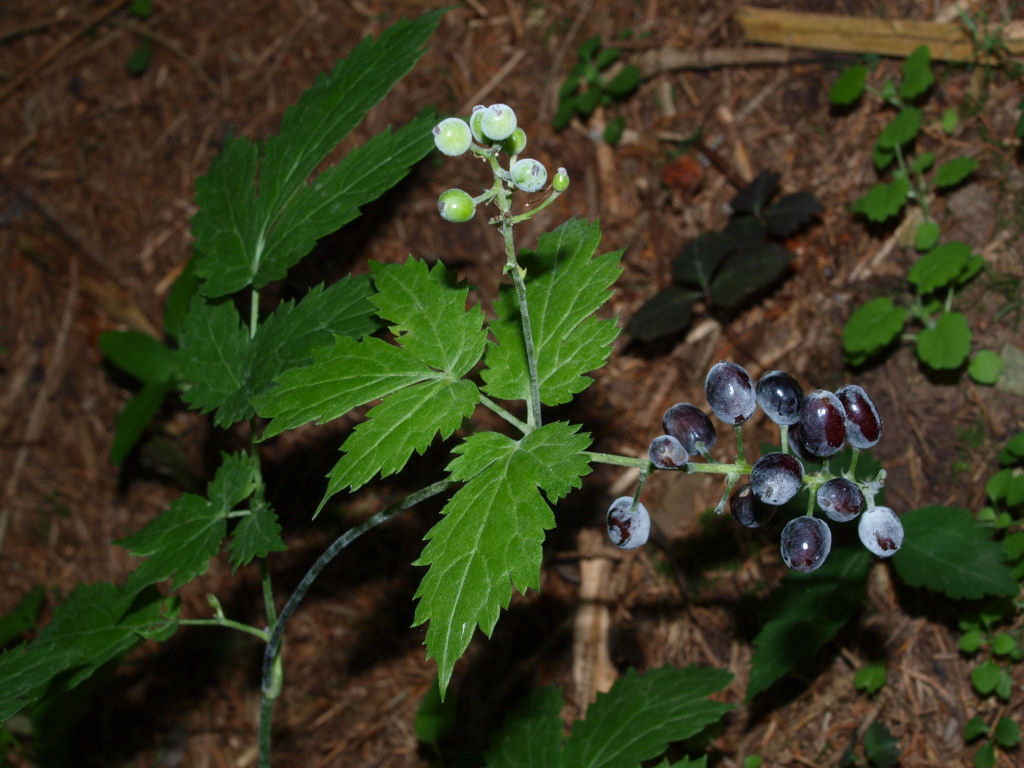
(812, 429)
(490, 130)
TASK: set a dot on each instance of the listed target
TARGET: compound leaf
(256, 535)
(490, 536)
(946, 550)
(212, 356)
(531, 736)
(404, 422)
(638, 718)
(849, 85)
(940, 266)
(917, 73)
(95, 624)
(565, 285)
(180, 542)
(809, 610)
(952, 173)
(427, 312)
(753, 197)
(348, 374)
(871, 328)
(947, 343)
(665, 313)
(747, 271)
(791, 212)
(696, 263)
(235, 228)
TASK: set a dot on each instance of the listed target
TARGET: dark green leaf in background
(849, 85)
(952, 173)
(531, 736)
(753, 197)
(880, 748)
(917, 73)
(137, 414)
(748, 271)
(23, 617)
(139, 355)
(790, 213)
(624, 83)
(696, 263)
(667, 312)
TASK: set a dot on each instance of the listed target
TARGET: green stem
(227, 623)
(271, 655)
(533, 418)
(522, 426)
(717, 468)
(535, 210)
(268, 593)
(254, 312)
(614, 458)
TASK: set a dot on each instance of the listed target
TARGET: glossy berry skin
(863, 424)
(667, 453)
(456, 205)
(498, 122)
(881, 531)
(822, 423)
(776, 478)
(840, 499)
(779, 396)
(748, 510)
(452, 136)
(529, 175)
(730, 392)
(560, 181)
(626, 529)
(690, 426)
(806, 542)
(515, 143)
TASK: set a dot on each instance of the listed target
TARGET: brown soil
(97, 170)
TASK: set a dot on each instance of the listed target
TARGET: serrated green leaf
(96, 623)
(975, 727)
(945, 550)
(946, 344)
(923, 161)
(902, 129)
(917, 73)
(883, 201)
(638, 718)
(490, 537)
(212, 357)
(985, 367)
(139, 355)
(849, 85)
(138, 412)
(179, 543)
(926, 235)
(880, 748)
(531, 736)
(940, 266)
(1007, 733)
(696, 263)
(882, 158)
(1003, 644)
(667, 312)
(985, 677)
(985, 757)
(748, 271)
(346, 375)
(790, 213)
(234, 228)
(565, 285)
(404, 422)
(970, 641)
(427, 312)
(256, 535)
(952, 173)
(870, 678)
(810, 609)
(872, 327)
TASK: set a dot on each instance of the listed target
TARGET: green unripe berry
(474, 124)
(560, 182)
(515, 143)
(528, 174)
(456, 205)
(498, 122)
(452, 136)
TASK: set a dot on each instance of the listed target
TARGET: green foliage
(632, 722)
(23, 618)
(593, 82)
(880, 749)
(723, 269)
(870, 678)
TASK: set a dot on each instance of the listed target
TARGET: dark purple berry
(863, 424)
(667, 453)
(822, 423)
(628, 529)
(881, 531)
(806, 542)
(776, 478)
(749, 510)
(730, 392)
(690, 426)
(840, 499)
(779, 396)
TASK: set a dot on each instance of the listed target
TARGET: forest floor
(97, 175)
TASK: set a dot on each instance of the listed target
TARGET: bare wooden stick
(948, 41)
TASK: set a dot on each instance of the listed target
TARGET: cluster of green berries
(490, 130)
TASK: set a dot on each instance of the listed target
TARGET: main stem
(533, 418)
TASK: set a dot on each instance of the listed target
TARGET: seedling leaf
(872, 327)
(624, 82)
(883, 201)
(952, 173)
(565, 285)
(870, 678)
(946, 550)
(810, 609)
(985, 366)
(880, 748)
(638, 718)
(917, 73)
(940, 266)
(927, 235)
(902, 129)
(849, 85)
(490, 536)
(1007, 733)
(975, 727)
(947, 344)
